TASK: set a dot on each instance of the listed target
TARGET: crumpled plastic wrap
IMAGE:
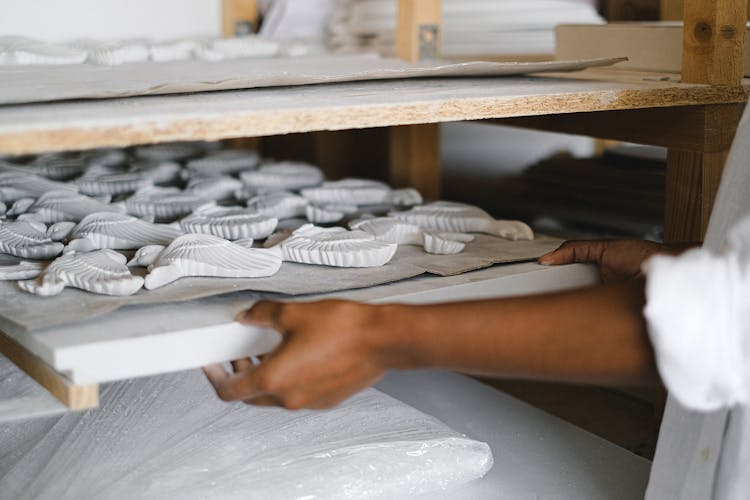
(169, 437)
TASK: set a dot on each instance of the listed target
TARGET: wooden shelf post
(415, 149)
(239, 17)
(712, 53)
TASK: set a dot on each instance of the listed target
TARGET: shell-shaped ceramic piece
(174, 50)
(113, 183)
(225, 162)
(171, 151)
(21, 271)
(17, 185)
(282, 176)
(237, 47)
(58, 206)
(349, 192)
(160, 172)
(102, 271)
(44, 53)
(106, 157)
(164, 203)
(119, 232)
(441, 244)
(281, 205)
(21, 206)
(27, 239)
(206, 255)
(60, 231)
(406, 197)
(145, 256)
(57, 166)
(230, 223)
(391, 230)
(114, 54)
(453, 217)
(336, 247)
(213, 188)
(328, 214)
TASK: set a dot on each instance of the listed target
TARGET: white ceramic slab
(146, 340)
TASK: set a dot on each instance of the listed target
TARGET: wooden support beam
(415, 158)
(75, 397)
(239, 17)
(712, 53)
(415, 149)
(690, 128)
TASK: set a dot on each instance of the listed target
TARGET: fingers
(572, 252)
(242, 365)
(263, 313)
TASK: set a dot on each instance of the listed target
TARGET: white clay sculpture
(231, 223)
(349, 192)
(282, 176)
(27, 239)
(118, 232)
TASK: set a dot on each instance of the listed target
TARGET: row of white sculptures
(21, 50)
(194, 209)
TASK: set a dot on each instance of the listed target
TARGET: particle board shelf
(35, 128)
(147, 340)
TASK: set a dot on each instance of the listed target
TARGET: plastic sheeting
(170, 437)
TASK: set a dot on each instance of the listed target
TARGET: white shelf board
(147, 340)
(33, 128)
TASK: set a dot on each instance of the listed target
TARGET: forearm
(594, 335)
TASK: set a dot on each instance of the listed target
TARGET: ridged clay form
(43, 53)
(390, 230)
(206, 255)
(336, 247)
(445, 216)
(27, 239)
(114, 54)
(95, 183)
(213, 188)
(328, 214)
(59, 167)
(230, 223)
(145, 256)
(160, 172)
(106, 157)
(281, 205)
(349, 192)
(406, 197)
(58, 206)
(164, 203)
(119, 232)
(17, 185)
(224, 162)
(172, 151)
(221, 49)
(173, 50)
(60, 231)
(21, 207)
(102, 271)
(445, 243)
(282, 176)
(21, 271)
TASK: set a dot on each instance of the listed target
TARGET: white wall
(57, 20)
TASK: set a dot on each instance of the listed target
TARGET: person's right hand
(617, 259)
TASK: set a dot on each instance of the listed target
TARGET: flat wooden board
(70, 125)
(151, 339)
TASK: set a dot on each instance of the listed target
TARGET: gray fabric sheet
(20, 311)
(44, 83)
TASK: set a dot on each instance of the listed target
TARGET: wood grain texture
(713, 41)
(75, 397)
(415, 158)
(238, 11)
(70, 125)
(412, 16)
(690, 128)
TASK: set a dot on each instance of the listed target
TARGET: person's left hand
(329, 350)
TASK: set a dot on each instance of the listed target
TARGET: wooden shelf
(35, 128)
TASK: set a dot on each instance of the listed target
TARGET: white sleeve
(697, 313)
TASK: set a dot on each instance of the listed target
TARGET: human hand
(617, 259)
(329, 350)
